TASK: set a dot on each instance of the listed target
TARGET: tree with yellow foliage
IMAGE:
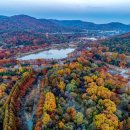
(108, 105)
(3, 87)
(103, 92)
(88, 79)
(61, 124)
(92, 90)
(67, 71)
(61, 86)
(46, 119)
(106, 121)
(98, 91)
(60, 72)
(50, 102)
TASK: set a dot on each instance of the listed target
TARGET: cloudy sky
(98, 11)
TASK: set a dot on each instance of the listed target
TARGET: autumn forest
(87, 88)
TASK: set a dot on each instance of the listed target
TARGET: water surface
(49, 54)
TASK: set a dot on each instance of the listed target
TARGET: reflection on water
(49, 54)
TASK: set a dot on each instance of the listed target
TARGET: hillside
(25, 30)
(27, 23)
(120, 43)
(92, 26)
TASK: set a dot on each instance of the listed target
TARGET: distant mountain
(78, 24)
(114, 26)
(81, 25)
(3, 17)
(27, 23)
(31, 24)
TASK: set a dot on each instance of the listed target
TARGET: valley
(64, 81)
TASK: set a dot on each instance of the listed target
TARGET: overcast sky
(98, 11)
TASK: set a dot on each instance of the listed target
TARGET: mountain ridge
(28, 23)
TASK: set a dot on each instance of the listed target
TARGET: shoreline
(32, 52)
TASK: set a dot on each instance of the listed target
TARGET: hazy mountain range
(27, 23)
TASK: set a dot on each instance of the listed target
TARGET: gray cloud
(98, 11)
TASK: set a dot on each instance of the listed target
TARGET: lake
(49, 54)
